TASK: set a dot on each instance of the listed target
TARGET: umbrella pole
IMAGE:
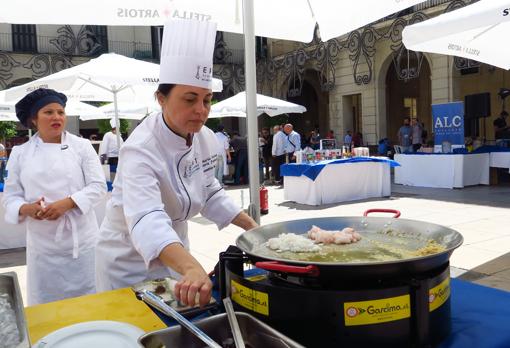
(251, 109)
(117, 123)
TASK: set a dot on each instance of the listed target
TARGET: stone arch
(392, 92)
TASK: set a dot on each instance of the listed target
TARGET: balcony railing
(86, 47)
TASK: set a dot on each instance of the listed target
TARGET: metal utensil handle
(234, 325)
(393, 211)
(276, 266)
(155, 301)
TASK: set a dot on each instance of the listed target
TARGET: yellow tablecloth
(118, 305)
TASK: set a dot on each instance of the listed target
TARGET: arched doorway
(408, 98)
(316, 103)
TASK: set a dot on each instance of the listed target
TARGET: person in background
(405, 134)
(357, 139)
(266, 151)
(223, 154)
(417, 135)
(314, 140)
(330, 135)
(54, 181)
(240, 146)
(292, 142)
(278, 153)
(109, 150)
(348, 138)
(3, 162)
(501, 129)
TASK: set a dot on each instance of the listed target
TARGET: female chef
(54, 180)
(166, 176)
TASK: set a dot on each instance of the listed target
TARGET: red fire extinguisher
(264, 200)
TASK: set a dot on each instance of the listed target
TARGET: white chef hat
(112, 123)
(187, 53)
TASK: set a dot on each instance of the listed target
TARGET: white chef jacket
(278, 148)
(160, 184)
(109, 145)
(223, 146)
(60, 253)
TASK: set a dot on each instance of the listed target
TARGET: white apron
(58, 266)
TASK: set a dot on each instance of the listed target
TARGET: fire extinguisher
(264, 200)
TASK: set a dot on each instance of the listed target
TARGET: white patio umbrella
(73, 108)
(132, 111)
(110, 76)
(8, 117)
(236, 106)
(279, 19)
(477, 32)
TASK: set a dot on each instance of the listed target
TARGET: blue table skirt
(312, 170)
(480, 316)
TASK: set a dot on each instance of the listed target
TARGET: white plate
(111, 334)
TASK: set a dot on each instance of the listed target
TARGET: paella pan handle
(310, 270)
(393, 211)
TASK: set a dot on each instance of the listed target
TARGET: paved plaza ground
(480, 213)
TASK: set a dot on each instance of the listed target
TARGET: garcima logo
(352, 312)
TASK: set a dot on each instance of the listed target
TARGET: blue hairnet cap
(28, 107)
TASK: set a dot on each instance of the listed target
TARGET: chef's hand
(194, 279)
(56, 209)
(33, 210)
(194, 282)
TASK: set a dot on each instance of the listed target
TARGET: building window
(261, 47)
(410, 105)
(156, 40)
(24, 38)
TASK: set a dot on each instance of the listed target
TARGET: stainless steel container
(9, 285)
(255, 334)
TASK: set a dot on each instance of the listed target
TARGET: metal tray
(9, 285)
(255, 333)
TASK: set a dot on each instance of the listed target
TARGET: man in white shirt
(108, 150)
(278, 152)
(223, 154)
(292, 142)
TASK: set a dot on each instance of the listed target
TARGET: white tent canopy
(133, 111)
(236, 106)
(281, 19)
(473, 32)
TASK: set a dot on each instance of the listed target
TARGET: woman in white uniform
(54, 180)
(166, 176)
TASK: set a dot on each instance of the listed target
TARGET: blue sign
(448, 123)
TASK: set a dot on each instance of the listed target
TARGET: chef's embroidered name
(191, 168)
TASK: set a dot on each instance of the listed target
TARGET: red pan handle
(393, 211)
(310, 270)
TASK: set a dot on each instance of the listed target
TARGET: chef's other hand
(193, 282)
(56, 209)
(33, 210)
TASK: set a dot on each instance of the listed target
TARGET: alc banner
(448, 123)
